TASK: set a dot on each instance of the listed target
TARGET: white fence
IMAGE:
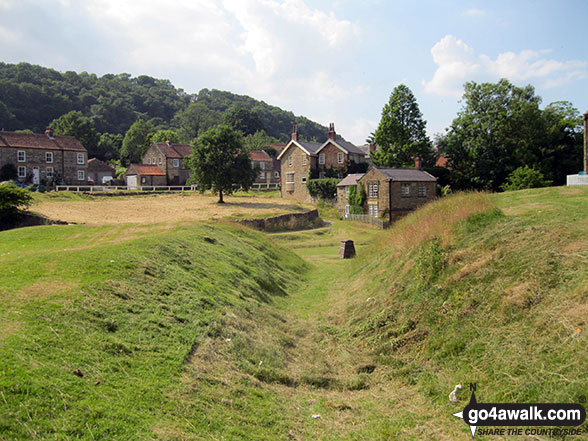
(259, 186)
(577, 180)
(111, 188)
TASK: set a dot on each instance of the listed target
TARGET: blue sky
(332, 61)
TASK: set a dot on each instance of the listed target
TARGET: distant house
(171, 159)
(299, 159)
(44, 158)
(100, 172)
(139, 175)
(395, 192)
(343, 188)
(269, 172)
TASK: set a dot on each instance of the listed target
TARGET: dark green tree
(219, 162)
(13, 200)
(401, 133)
(245, 120)
(81, 127)
(133, 146)
(109, 146)
(525, 177)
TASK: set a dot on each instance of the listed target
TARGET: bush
(525, 177)
(13, 200)
(323, 188)
(357, 199)
(8, 172)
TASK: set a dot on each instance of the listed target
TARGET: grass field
(158, 208)
(201, 331)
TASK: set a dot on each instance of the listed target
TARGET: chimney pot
(168, 142)
(295, 132)
(417, 162)
(49, 132)
(332, 134)
(372, 147)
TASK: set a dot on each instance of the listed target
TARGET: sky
(329, 60)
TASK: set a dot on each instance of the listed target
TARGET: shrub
(8, 172)
(323, 188)
(357, 199)
(525, 177)
(13, 200)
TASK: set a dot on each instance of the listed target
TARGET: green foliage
(109, 146)
(219, 161)
(325, 188)
(133, 145)
(525, 177)
(431, 260)
(242, 119)
(357, 198)
(8, 172)
(13, 200)
(75, 124)
(163, 136)
(401, 133)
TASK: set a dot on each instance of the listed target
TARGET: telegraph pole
(586, 142)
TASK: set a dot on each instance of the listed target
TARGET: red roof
(174, 151)
(259, 155)
(40, 141)
(142, 169)
(278, 147)
(442, 161)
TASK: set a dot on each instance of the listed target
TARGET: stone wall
(286, 222)
(300, 167)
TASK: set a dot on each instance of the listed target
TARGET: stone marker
(347, 250)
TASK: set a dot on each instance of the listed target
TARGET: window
(49, 157)
(143, 180)
(176, 163)
(81, 159)
(422, 191)
(289, 178)
(373, 190)
(405, 190)
(347, 191)
(81, 175)
(22, 172)
(262, 175)
(277, 174)
(321, 158)
(149, 161)
(262, 165)
(340, 157)
(304, 179)
(160, 159)
(49, 172)
(290, 161)
(21, 156)
(373, 210)
(304, 159)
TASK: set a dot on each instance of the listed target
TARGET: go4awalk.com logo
(492, 418)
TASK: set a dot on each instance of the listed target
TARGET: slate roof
(142, 169)
(351, 148)
(310, 147)
(259, 155)
(407, 174)
(350, 180)
(174, 151)
(40, 141)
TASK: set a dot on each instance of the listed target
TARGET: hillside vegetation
(200, 332)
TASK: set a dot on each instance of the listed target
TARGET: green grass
(202, 332)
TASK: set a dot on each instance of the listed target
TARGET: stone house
(269, 171)
(395, 192)
(44, 158)
(171, 159)
(139, 175)
(343, 188)
(100, 172)
(301, 159)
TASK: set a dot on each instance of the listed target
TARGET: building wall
(64, 164)
(300, 167)
(151, 180)
(342, 200)
(331, 152)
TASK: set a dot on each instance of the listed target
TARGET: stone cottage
(171, 159)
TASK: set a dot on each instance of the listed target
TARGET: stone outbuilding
(343, 188)
(171, 159)
(100, 172)
(139, 175)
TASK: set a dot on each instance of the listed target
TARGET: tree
(245, 120)
(525, 177)
(12, 201)
(8, 172)
(109, 146)
(499, 129)
(133, 146)
(401, 133)
(164, 136)
(81, 127)
(219, 161)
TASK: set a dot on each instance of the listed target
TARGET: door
(132, 181)
(36, 175)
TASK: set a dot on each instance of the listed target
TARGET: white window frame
(347, 191)
(176, 163)
(81, 175)
(160, 160)
(49, 157)
(261, 175)
(21, 156)
(290, 161)
(277, 174)
(81, 160)
(262, 165)
(321, 158)
(149, 161)
(304, 179)
(422, 191)
(373, 190)
(405, 190)
(290, 178)
(373, 210)
(304, 159)
(22, 171)
(340, 157)
(49, 172)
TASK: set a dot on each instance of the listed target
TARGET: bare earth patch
(159, 208)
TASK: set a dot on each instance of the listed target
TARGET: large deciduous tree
(401, 134)
(81, 127)
(133, 146)
(219, 162)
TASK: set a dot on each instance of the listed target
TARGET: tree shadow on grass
(260, 205)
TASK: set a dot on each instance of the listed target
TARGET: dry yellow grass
(158, 208)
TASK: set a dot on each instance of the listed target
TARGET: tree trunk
(220, 197)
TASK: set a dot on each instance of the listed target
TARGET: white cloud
(359, 130)
(476, 13)
(458, 63)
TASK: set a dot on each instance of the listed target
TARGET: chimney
(417, 162)
(168, 142)
(372, 146)
(332, 134)
(586, 142)
(295, 132)
(49, 132)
